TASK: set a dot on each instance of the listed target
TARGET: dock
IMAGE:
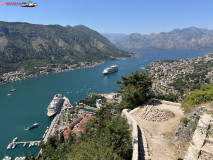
(26, 142)
(54, 127)
(12, 145)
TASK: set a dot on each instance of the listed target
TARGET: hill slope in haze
(23, 43)
(114, 37)
(179, 39)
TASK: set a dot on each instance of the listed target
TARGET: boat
(54, 105)
(14, 146)
(43, 136)
(15, 139)
(46, 131)
(9, 146)
(9, 94)
(7, 158)
(30, 144)
(12, 90)
(33, 126)
(24, 144)
(109, 70)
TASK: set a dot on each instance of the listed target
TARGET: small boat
(9, 94)
(15, 139)
(33, 126)
(12, 90)
(43, 135)
(14, 146)
(9, 146)
(30, 144)
(7, 158)
(24, 144)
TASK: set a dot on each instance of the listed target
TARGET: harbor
(59, 123)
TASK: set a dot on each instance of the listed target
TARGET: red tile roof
(87, 118)
(67, 132)
(75, 121)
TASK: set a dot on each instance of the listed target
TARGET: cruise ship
(109, 70)
(54, 105)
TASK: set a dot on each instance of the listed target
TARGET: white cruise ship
(54, 105)
(109, 70)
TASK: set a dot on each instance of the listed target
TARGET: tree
(135, 89)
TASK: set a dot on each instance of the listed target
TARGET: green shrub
(185, 120)
(203, 95)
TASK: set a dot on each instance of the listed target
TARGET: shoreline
(57, 70)
(47, 73)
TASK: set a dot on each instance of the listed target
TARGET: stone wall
(133, 126)
(200, 148)
(170, 103)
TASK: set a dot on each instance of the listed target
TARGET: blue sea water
(29, 103)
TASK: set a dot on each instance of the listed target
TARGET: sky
(115, 16)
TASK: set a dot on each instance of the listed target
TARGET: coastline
(18, 76)
(47, 73)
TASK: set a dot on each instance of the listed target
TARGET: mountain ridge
(190, 38)
(21, 43)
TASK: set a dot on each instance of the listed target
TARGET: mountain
(178, 39)
(28, 44)
(114, 37)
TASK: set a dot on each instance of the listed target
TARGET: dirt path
(157, 132)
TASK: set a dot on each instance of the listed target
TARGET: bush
(203, 95)
(185, 120)
(194, 128)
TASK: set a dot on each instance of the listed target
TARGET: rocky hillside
(114, 37)
(179, 39)
(21, 43)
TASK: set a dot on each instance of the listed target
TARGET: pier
(13, 144)
(26, 142)
(57, 123)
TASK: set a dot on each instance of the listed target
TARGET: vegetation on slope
(203, 95)
(23, 43)
(91, 101)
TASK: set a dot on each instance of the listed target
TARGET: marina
(13, 144)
